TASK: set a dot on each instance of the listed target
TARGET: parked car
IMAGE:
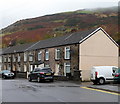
(102, 74)
(7, 74)
(117, 76)
(41, 74)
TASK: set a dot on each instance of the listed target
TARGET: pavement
(107, 87)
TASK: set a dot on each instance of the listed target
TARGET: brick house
(65, 54)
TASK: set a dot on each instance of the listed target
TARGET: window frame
(65, 72)
(46, 53)
(56, 53)
(65, 57)
(39, 55)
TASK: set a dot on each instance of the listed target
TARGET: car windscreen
(46, 70)
(5, 71)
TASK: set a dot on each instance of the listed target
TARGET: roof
(18, 48)
(73, 38)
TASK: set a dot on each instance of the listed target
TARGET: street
(20, 90)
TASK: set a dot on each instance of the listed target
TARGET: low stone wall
(20, 74)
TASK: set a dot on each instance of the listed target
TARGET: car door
(35, 73)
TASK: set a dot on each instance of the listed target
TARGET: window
(25, 56)
(46, 55)
(47, 65)
(67, 52)
(39, 55)
(9, 58)
(30, 56)
(57, 54)
(5, 59)
(14, 58)
(9, 67)
(66, 68)
(18, 67)
(18, 57)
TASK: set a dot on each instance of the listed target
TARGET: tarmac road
(19, 90)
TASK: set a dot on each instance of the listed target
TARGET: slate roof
(73, 38)
(18, 48)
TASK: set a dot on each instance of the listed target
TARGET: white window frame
(65, 65)
(18, 67)
(46, 53)
(30, 56)
(9, 58)
(25, 57)
(66, 52)
(39, 55)
(56, 54)
(5, 59)
(14, 59)
(18, 57)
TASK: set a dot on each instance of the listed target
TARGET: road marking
(101, 90)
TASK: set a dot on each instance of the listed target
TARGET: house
(65, 54)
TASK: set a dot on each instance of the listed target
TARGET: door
(57, 69)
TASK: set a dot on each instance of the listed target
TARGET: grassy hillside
(34, 29)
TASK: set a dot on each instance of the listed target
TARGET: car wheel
(95, 82)
(101, 81)
(38, 79)
(4, 77)
(29, 79)
(51, 80)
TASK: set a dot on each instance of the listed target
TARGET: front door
(57, 69)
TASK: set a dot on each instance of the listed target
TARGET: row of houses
(65, 54)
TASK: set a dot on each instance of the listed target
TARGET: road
(19, 90)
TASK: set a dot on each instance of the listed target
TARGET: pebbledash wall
(77, 51)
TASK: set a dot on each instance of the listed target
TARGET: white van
(102, 74)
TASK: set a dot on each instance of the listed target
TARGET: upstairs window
(25, 56)
(57, 54)
(14, 60)
(39, 55)
(46, 55)
(67, 52)
(9, 58)
(18, 57)
(30, 56)
(5, 59)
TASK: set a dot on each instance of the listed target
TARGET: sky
(15, 10)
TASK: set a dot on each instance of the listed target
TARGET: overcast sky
(14, 10)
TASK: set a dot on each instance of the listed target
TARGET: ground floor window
(19, 67)
(9, 67)
(66, 68)
(13, 68)
(47, 65)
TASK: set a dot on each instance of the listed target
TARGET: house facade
(65, 54)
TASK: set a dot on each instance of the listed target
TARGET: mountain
(39, 28)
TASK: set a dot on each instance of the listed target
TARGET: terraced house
(64, 54)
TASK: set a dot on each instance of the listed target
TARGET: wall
(98, 50)
(119, 61)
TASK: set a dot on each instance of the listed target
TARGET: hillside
(39, 28)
